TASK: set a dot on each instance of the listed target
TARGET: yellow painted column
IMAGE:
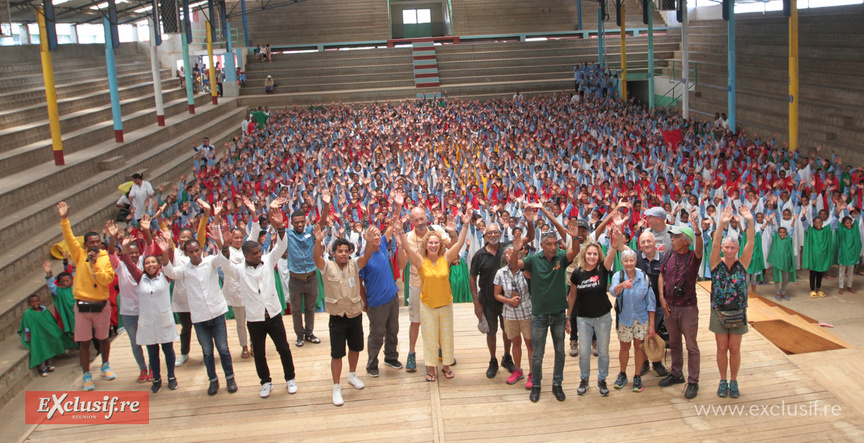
(211, 69)
(50, 91)
(793, 76)
(623, 56)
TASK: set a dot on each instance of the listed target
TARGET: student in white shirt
(263, 310)
(207, 305)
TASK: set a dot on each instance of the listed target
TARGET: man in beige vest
(343, 302)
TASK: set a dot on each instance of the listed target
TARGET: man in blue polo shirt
(380, 300)
(303, 284)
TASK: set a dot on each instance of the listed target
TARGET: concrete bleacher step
(13, 69)
(98, 131)
(328, 77)
(33, 96)
(331, 59)
(14, 367)
(13, 84)
(25, 114)
(39, 130)
(369, 84)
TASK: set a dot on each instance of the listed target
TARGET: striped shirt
(519, 285)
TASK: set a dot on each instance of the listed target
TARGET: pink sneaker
(528, 384)
(515, 376)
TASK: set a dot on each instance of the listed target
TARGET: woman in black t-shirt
(588, 292)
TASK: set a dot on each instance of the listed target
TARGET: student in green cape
(61, 294)
(848, 239)
(818, 254)
(41, 334)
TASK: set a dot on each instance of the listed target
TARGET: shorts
(345, 330)
(717, 327)
(638, 331)
(494, 318)
(414, 304)
(87, 322)
(513, 328)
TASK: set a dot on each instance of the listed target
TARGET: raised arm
(75, 250)
(413, 255)
(696, 224)
(318, 251)
(326, 198)
(367, 251)
(515, 262)
(747, 254)
(453, 252)
(717, 239)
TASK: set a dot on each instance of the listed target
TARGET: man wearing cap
(656, 218)
(649, 260)
(677, 285)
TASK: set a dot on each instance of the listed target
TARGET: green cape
(64, 303)
(848, 245)
(819, 252)
(459, 283)
(782, 257)
(757, 262)
(46, 338)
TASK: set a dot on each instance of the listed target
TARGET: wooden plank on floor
(398, 404)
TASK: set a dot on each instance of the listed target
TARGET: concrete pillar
(685, 63)
(73, 33)
(157, 77)
(187, 69)
(651, 98)
(50, 92)
(112, 82)
(730, 62)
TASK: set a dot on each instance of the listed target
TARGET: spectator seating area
(830, 63)
(31, 186)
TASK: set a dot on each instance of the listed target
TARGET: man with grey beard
(484, 265)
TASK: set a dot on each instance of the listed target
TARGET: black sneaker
(493, 368)
(299, 343)
(507, 362)
(659, 369)
(692, 389)
(601, 386)
(559, 392)
(311, 338)
(645, 368)
(671, 379)
(172, 383)
(583, 387)
(535, 394)
(232, 385)
(395, 364)
(214, 388)
(156, 387)
(373, 372)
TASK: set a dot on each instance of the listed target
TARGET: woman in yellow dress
(436, 311)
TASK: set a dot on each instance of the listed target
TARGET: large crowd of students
(533, 208)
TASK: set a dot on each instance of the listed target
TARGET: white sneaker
(292, 386)
(355, 381)
(182, 359)
(265, 389)
(337, 396)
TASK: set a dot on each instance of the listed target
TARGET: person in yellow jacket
(90, 289)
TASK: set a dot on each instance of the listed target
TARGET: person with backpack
(635, 305)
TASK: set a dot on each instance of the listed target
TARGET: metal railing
(673, 95)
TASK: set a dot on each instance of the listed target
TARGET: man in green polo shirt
(548, 269)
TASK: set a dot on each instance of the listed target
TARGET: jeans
(602, 328)
(210, 332)
(185, 332)
(300, 292)
(258, 332)
(540, 326)
(383, 330)
(170, 358)
(130, 322)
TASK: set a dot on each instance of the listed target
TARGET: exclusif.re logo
(108, 407)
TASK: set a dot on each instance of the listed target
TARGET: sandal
(778, 298)
(448, 374)
(785, 297)
(245, 354)
(430, 377)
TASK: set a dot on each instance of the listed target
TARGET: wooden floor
(402, 406)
